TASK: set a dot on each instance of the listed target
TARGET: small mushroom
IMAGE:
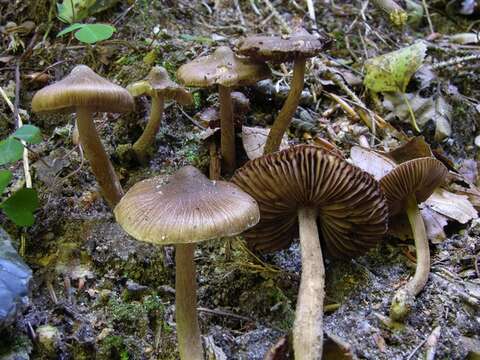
(307, 190)
(85, 92)
(296, 47)
(225, 69)
(159, 87)
(407, 185)
(185, 210)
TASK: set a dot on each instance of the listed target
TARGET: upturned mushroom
(227, 70)
(182, 211)
(305, 189)
(407, 185)
(159, 87)
(297, 47)
(84, 93)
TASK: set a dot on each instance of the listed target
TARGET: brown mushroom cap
(352, 211)
(417, 177)
(158, 83)
(222, 67)
(300, 44)
(82, 88)
(186, 208)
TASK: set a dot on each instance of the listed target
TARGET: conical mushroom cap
(82, 88)
(158, 83)
(222, 67)
(352, 210)
(417, 177)
(300, 44)
(187, 208)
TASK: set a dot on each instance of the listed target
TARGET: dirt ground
(109, 296)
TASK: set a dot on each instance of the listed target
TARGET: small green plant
(73, 11)
(20, 205)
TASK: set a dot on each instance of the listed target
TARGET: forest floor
(109, 296)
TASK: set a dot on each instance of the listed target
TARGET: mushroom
(85, 92)
(225, 69)
(159, 87)
(185, 210)
(407, 185)
(296, 47)
(304, 188)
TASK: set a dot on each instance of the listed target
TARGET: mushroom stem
(307, 329)
(227, 129)
(403, 299)
(145, 141)
(188, 332)
(102, 168)
(285, 115)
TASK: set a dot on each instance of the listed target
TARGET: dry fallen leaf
(434, 224)
(453, 206)
(254, 139)
(424, 108)
(371, 162)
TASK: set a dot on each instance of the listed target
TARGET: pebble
(15, 278)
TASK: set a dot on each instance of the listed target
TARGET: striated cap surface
(82, 88)
(224, 68)
(417, 177)
(186, 208)
(300, 44)
(158, 83)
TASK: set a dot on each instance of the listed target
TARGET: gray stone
(15, 277)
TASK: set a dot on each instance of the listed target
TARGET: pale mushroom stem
(307, 329)
(284, 117)
(146, 140)
(403, 299)
(227, 129)
(102, 168)
(188, 332)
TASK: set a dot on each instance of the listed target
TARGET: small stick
(432, 342)
(455, 61)
(286, 28)
(311, 13)
(239, 10)
(224, 313)
(427, 13)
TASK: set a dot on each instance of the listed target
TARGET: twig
(416, 349)
(224, 313)
(432, 342)
(285, 27)
(311, 13)
(255, 8)
(455, 61)
(240, 14)
(427, 13)
(122, 15)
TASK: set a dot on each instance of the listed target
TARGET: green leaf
(71, 11)
(92, 33)
(20, 206)
(70, 28)
(5, 178)
(29, 133)
(11, 150)
(392, 71)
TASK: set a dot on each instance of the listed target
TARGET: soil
(112, 297)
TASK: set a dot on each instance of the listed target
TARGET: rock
(15, 277)
(48, 340)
